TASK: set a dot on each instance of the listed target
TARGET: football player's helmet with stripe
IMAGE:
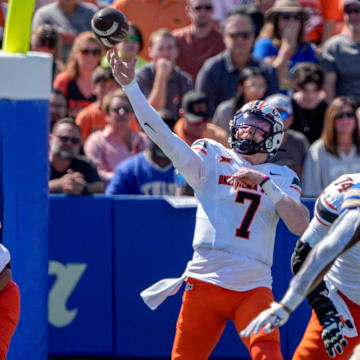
(256, 128)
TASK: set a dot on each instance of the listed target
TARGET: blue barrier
(110, 249)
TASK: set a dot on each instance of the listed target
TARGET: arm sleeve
(342, 233)
(183, 157)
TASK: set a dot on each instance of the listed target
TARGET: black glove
(332, 335)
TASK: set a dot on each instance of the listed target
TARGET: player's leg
(200, 323)
(312, 346)
(261, 346)
(9, 315)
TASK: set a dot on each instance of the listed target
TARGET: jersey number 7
(241, 196)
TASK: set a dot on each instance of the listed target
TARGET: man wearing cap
(340, 57)
(194, 121)
(294, 144)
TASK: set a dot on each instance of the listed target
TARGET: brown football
(110, 26)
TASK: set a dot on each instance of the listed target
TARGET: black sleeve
(318, 299)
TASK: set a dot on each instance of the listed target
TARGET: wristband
(272, 190)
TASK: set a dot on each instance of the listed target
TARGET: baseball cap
(195, 105)
(351, 2)
(281, 103)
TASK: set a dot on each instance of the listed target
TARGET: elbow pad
(299, 255)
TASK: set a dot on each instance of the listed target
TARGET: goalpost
(25, 88)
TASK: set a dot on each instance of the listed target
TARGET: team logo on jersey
(200, 146)
(224, 159)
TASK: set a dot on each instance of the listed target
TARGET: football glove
(269, 319)
(332, 335)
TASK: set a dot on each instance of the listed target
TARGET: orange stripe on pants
(312, 346)
(9, 315)
(203, 315)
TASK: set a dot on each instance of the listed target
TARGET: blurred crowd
(198, 62)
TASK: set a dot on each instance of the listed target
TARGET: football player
(241, 199)
(331, 243)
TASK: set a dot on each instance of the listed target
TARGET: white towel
(156, 294)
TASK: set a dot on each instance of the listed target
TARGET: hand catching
(269, 319)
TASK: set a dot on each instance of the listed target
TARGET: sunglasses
(243, 34)
(93, 52)
(288, 16)
(134, 38)
(345, 114)
(73, 140)
(126, 109)
(352, 10)
(203, 7)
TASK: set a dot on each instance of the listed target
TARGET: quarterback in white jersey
(331, 239)
(240, 202)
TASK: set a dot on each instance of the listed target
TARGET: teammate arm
(345, 232)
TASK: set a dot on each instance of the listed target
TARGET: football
(110, 26)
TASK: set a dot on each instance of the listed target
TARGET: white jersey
(235, 229)
(240, 221)
(345, 272)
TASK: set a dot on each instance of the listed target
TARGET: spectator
(309, 101)
(325, 20)
(117, 141)
(340, 57)
(75, 82)
(58, 107)
(253, 10)
(152, 15)
(224, 8)
(162, 83)
(70, 173)
(92, 117)
(45, 38)
(199, 40)
(294, 144)
(251, 86)
(69, 17)
(194, 122)
(218, 76)
(282, 39)
(337, 152)
(130, 46)
(150, 172)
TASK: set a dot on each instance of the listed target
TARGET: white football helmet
(257, 114)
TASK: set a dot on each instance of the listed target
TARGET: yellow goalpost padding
(18, 26)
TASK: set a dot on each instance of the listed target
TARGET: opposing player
(9, 303)
(240, 202)
(333, 233)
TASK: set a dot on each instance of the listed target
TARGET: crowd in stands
(198, 62)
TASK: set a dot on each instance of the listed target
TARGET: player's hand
(269, 319)
(247, 176)
(332, 335)
(123, 71)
